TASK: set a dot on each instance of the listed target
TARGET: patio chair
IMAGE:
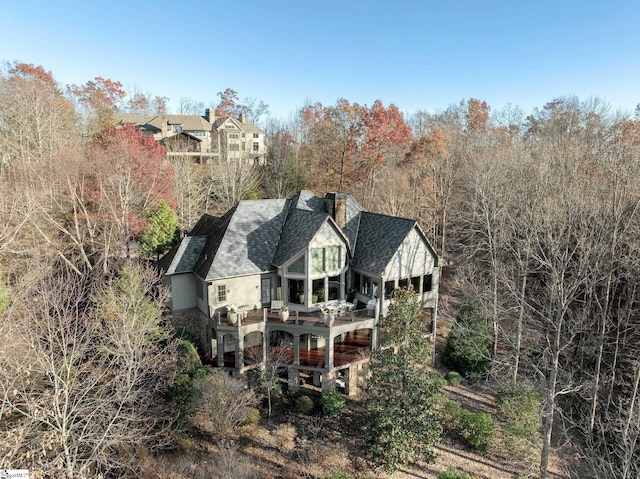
(276, 306)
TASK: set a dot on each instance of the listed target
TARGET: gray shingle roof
(379, 237)
(244, 241)
(246, 127)
(187, 254)
(299, 229)
(256, 235)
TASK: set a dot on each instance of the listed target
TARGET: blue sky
(416, 54)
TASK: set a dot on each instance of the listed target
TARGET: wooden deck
(356, 346)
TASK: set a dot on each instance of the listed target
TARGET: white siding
(327, 236)
(413, 258)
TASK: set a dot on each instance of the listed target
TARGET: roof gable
(379, 237)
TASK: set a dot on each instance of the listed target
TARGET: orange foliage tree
(126, 176)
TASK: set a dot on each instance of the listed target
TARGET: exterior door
(266, 292)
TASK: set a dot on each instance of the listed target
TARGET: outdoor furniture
(276, 306)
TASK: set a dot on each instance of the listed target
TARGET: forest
(534, 216)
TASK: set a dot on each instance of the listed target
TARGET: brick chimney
(243, 118)
(337, 207)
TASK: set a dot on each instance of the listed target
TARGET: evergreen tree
(401, 392)
(161, 230)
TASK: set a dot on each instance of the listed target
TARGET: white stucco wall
(241, 291)
(183, 291)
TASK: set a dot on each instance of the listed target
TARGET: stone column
(239, 353)
(328, 381)
(351, 381)
(328, 353)
(293, 378)
(220, 340)
(296, 349)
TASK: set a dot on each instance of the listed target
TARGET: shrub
(223, 403)
(333, 403)
(252, 417)
(285, 436)
(479, 429)
(451, 416)
(469, 343)
(182, 389)
(519, 405)
(440, 382)
(452, 473)
(304, 404)
(453, 378)
(338, 475)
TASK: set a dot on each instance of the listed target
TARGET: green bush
(479, 429)
(469, 343)
(333, 403)
(338, 475)
(181, 391)
(450, 416)
(519, 405)
(453, 378)
(304, 404)
(252, 417)
(452, 473)
(440, 382)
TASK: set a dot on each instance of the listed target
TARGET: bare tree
(223, 404)
(82, 389)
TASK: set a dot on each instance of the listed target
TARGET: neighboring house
(203, 138)
(310, 254)
(236, 141)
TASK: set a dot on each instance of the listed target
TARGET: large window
(389, 288)
(318, 291)
(427, 280)
(222, 293)
(297, 266)
(317, 260)
(333, 258)
(326, 259)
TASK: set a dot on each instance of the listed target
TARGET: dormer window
(177, 128)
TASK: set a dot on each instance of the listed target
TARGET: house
(203, 138)
(235, 140)
(334, 265)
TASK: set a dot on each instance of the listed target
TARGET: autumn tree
(101, 98)
(142, 104)
(37, 121)
(105, 198)
(230, 105)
